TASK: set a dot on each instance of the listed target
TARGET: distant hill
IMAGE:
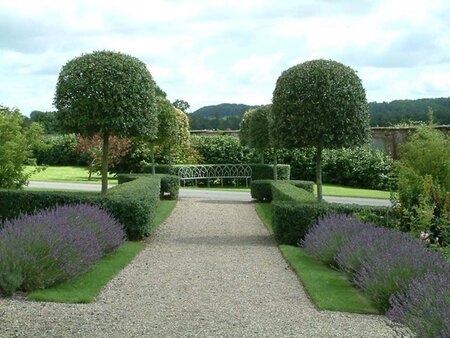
(229, 115)
(398, 111)
(221, 116)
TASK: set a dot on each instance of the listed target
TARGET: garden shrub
(424, 306)
(261, 190)
(305, 185)
(170, 184)
(265, 171)
(326, 237)
(291, 221)
(380, 261)
(54, 245)
(133, 203)
(60, 150)
(222, 150)
(285, 191)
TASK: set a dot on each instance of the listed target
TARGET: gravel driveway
(212, 270)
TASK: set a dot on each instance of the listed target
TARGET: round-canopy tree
(320, 103)
(107, 93)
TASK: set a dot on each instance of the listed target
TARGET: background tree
(181, 105)
(47, 120)
(255, 129)
(16, 147)
(320, 103)
(167, 127)
(92, 148)
(107, 93)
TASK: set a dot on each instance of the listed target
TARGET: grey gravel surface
(212, 270)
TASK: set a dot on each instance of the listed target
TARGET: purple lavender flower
(424, 306)
(54, 245)
(327, 236)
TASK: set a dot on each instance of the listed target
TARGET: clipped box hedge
(291, 221)
(295, 210)
(170, 184)
(132, 203)
(263, 190)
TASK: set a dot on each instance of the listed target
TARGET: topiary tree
(107, 93)
(320, 103)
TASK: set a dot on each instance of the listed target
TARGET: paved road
(218, 195)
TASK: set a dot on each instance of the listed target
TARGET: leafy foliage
(319, 104)
(47, 120)
(424, 185)
(221, 150)
(16, 147)
(220, 117)
(181, 105)
(107, 93)
(59, 150)
(91, 147)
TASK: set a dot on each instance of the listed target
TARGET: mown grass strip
(328, 289)
(86, 287)
(339, 191)
(264, 211)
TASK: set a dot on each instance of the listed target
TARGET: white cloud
(212, 52)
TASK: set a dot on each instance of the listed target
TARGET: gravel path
(212, 270)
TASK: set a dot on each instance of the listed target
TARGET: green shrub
(261, 190)
(285, 191)
(291, 221)
(221, 150)
(133, 203)
(170, 186)
(60, 150)
(265, 171)
(305, 185)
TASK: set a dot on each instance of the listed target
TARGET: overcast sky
(211, 52)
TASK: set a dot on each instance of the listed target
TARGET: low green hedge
(170, 184)
(132, 203)
(306, 185)
(291, 221)
(263, 190)
(265, 171)
(285, 191)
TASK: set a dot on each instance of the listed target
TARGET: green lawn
(68, 174)
(328, 289)
(334, 190)
(86, 287)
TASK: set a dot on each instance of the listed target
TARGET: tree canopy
(320, 103)
(16, 144)
(107, 93)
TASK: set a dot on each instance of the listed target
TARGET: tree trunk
(104, 170)
(319, 173)
(153, 161)
(275, 165)
(91, 169)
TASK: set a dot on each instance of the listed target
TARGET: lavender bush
(328, 235)
(51, 246)
(424, 306)
(392, 264)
